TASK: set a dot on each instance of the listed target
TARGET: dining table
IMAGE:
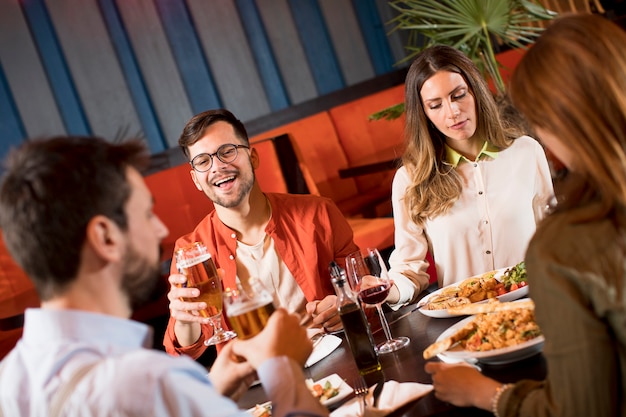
(407, 364)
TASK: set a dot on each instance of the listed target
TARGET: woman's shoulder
(526, 141)
(525, 145)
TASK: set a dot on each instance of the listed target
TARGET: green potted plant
(476, 27)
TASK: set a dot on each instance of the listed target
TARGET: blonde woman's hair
(572, 83)
(436, 186)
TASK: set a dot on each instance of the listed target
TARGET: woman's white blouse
(488, 228)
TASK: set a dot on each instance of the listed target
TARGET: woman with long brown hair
(466, 189)
(570, 85)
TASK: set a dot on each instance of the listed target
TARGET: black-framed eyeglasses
(226, 153)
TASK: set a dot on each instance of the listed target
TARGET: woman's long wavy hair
(572, 83)
(435, 186)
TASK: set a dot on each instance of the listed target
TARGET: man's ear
(254, 158)
(195, 179)
(105, 238)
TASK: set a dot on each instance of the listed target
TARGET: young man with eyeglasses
(286, 240)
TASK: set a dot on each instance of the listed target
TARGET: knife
(378, 390)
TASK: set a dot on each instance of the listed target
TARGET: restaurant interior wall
(116, 68)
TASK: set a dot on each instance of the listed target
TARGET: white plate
(494, 357)
(443, 313)
(336, 382)
(325, 347)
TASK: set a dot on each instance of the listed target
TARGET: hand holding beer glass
(195, 263)
(248, 307)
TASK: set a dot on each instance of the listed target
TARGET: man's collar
(453, 157)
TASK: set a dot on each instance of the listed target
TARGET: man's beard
(140, 278)
(247, 183)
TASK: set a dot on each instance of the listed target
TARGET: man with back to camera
(286, 240)
(77, 217)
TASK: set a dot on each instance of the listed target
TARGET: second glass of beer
(195, 263)
(248, 307)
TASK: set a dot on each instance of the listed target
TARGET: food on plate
(488, 331)
(478, 288)
(514, 278)
(501, 329)
(323, 391)
(441, 302)
(441, 346)
(471, 290)
(262, 410)
(492, 306)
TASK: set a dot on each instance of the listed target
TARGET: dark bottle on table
(355, 323)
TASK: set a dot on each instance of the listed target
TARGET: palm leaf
(471, 26)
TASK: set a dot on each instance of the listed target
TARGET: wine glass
(195, 263)
(368, 278)
(248, 307)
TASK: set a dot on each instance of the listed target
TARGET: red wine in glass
(375, 295)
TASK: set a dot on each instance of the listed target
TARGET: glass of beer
(194, 262)
(248, 307)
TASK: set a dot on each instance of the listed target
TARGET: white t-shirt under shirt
(262, 261)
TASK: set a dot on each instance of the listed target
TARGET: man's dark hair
(50, 191)
(195, 127)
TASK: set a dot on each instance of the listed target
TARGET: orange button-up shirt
(308, 232)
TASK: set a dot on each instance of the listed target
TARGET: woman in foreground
(570, 85)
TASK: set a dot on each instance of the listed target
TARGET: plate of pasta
(493, 338)
(504, 284)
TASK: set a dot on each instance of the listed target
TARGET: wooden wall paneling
(136, 87)
(194, 70)
(27, 82)
(396, 39)
(375, 35)
(317, 46)
(230, 59)
(11, 128)
(94, 68)
(347, 40)
(263, 55)
(157, 65)
(288, 51)
(60, 79)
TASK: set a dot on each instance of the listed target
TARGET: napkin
(393, 396)
(323, 348)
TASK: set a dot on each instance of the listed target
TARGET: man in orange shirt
(285, 240)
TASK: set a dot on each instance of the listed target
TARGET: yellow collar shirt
(453, 157)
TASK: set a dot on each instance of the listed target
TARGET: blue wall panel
(263, 54)
(375, 35)
(12, 131)
(119, 38)
(192, 65)
(317, 45)
(55, 65)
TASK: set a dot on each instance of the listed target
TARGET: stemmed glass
(368, 277)
(194, 262)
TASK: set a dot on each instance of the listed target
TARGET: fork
(361, 390)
